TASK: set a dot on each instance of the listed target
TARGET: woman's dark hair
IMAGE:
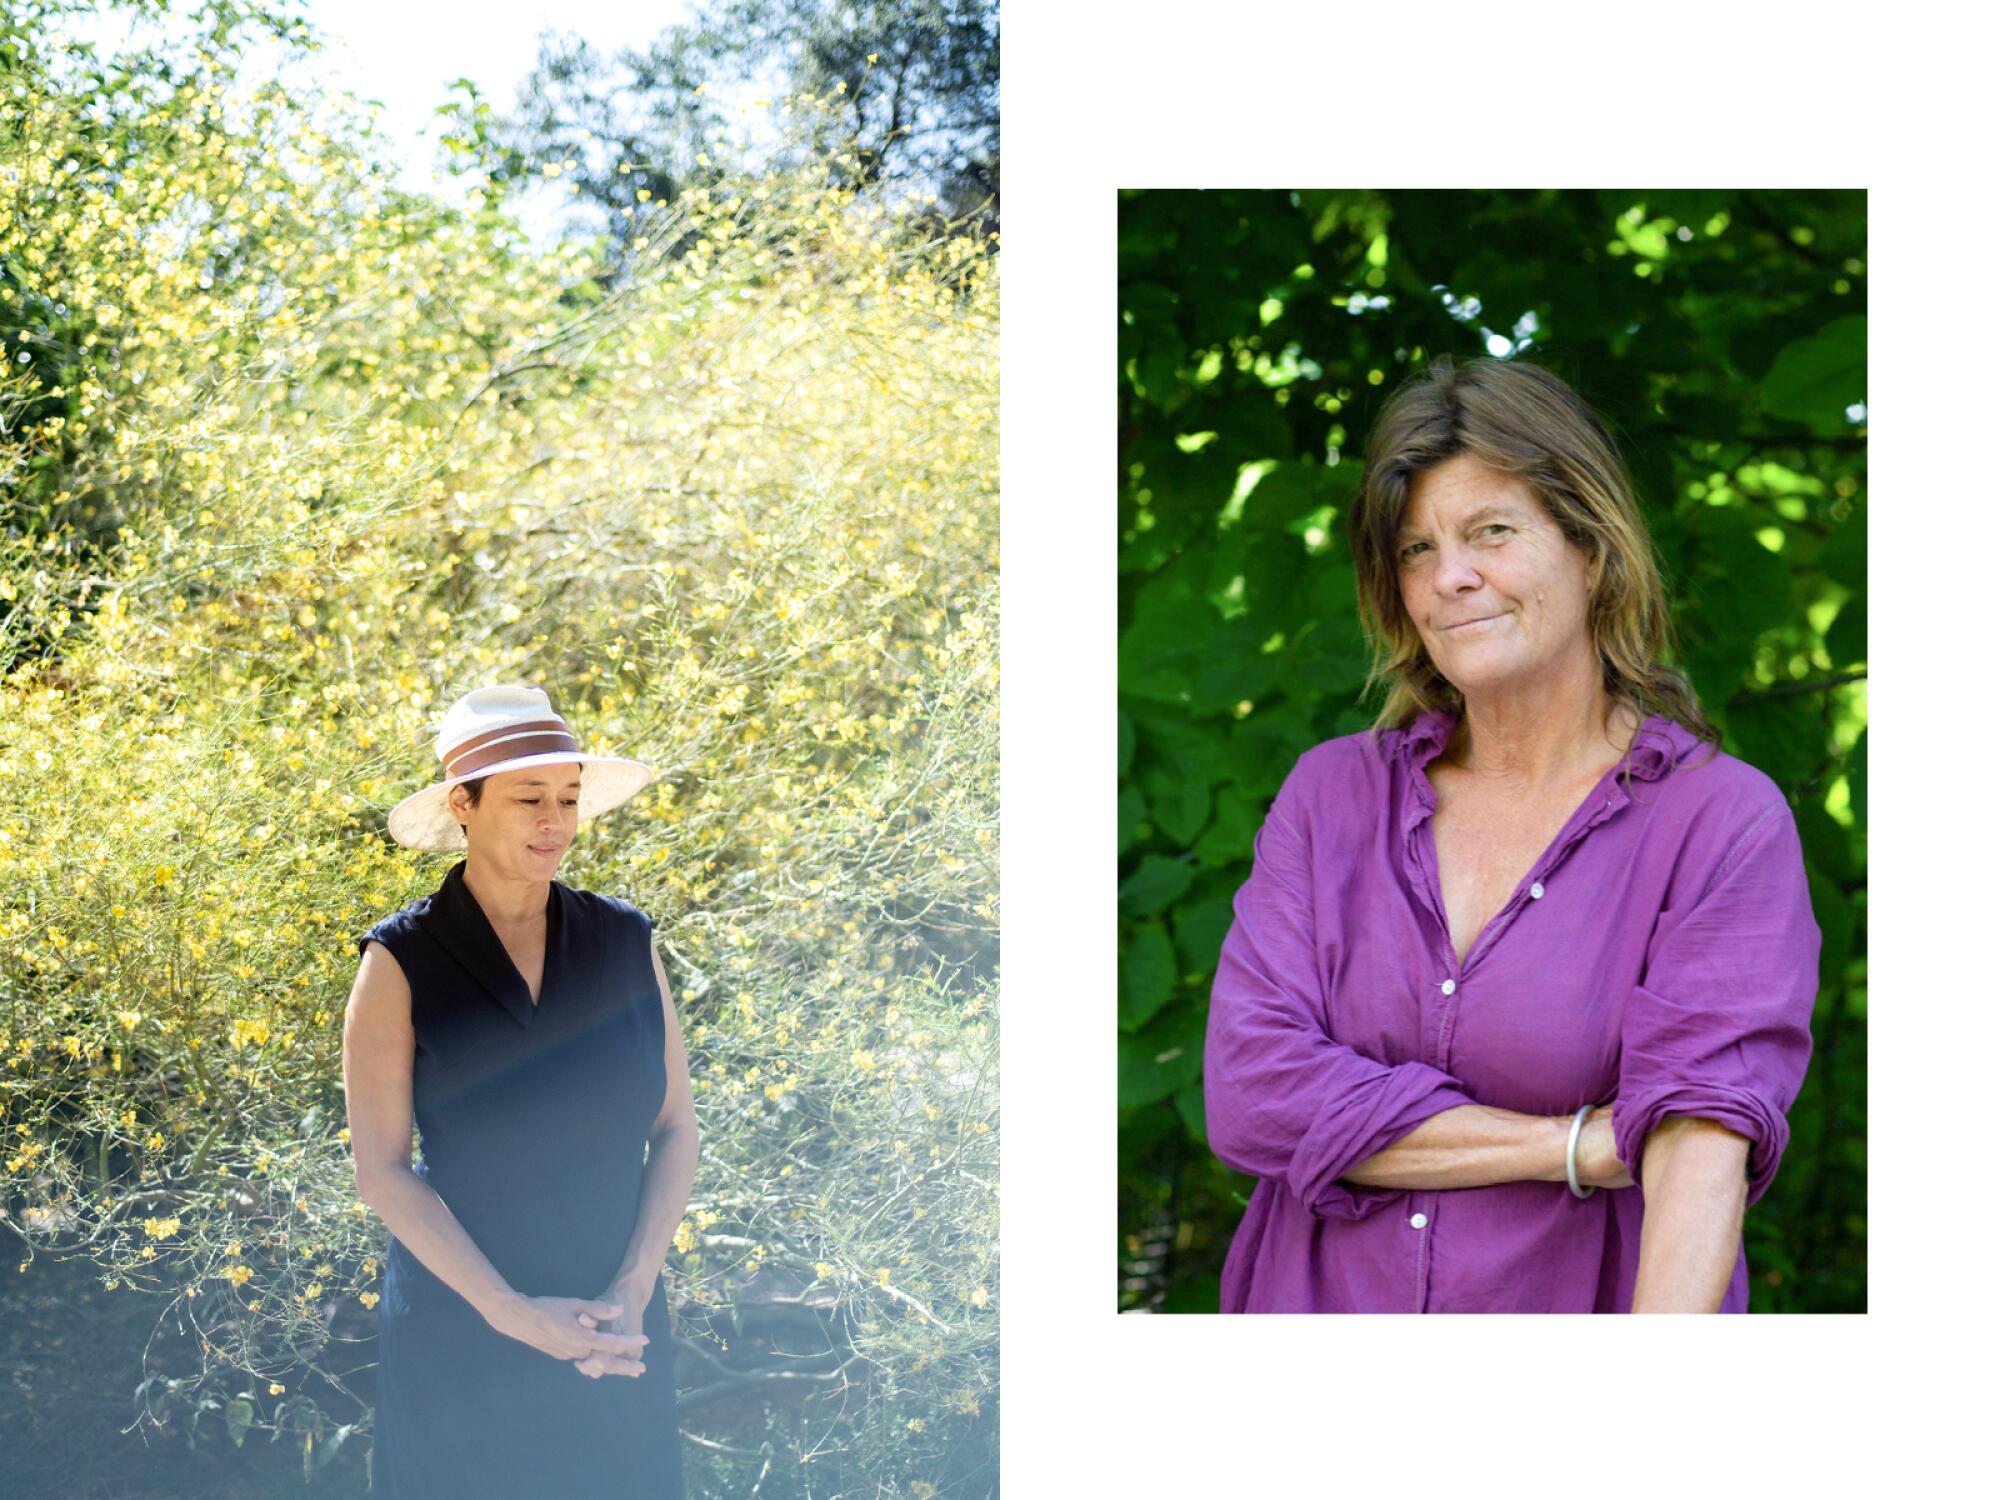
(1522, 420)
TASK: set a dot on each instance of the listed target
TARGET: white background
(1265, 95)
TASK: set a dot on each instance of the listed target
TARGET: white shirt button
(1448, 986)
(1535, 890)
(1418, 1221)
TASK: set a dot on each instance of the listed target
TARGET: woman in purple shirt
(1520, 986)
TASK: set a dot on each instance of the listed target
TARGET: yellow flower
(369, 1299)
(882, 1275)
(822, 1270)
(277, 1389)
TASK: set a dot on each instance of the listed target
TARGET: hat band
(511, 743)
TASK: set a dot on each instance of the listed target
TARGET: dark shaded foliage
(1722, 335)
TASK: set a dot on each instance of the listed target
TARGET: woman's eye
(1496, 526)
(1413, 547)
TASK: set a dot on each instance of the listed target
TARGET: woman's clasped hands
(600, 1335)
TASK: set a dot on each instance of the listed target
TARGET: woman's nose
(1455, 573)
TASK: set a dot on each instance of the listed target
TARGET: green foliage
(321, 456)
(1723, 336)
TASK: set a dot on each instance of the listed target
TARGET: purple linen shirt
(1661, 954)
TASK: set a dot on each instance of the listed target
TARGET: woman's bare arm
(378, 1054)
(1696, 1187)
(1475, 1145)
(672, 1148)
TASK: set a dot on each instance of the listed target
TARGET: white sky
(406, 53)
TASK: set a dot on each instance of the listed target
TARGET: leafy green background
(1722, 335)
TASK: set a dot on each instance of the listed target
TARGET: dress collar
(459, 923)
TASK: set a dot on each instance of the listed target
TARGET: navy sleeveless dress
(534, 1118)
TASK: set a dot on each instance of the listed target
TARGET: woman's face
(1499, 595)
(525, 819)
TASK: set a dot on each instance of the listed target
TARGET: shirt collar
(1659, 745)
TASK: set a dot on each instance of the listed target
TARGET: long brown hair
(1524, 421)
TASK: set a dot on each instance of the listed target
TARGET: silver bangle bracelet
(1575, 1129)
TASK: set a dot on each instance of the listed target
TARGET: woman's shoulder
(1341, 778)
(1699, 774)
(612, 912)
(1708, 802)
(393, 930)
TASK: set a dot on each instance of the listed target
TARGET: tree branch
(1794, 689)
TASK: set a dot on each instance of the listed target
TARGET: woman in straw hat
(526, 1027)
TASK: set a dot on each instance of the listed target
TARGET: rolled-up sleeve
(1721, 1025)
(1285, 1100)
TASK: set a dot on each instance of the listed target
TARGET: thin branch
(1794, 689)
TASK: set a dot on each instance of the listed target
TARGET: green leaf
(1199, 928)
(1818, 378)
(332, 1445)
(1857, 780)
(1847, 637)
(1163, 1057)
(1827, 845)
(1131, 817)
(1230, 836)
(1191, 1104)
(1178, 650)
(1835, 914)
(1190, 751)
(1145, 975)
(241, 1413)
(1197, 1294)
(1844, 554)
(1154, 886)
(1179, 808)
(1128, 739)
(1782, 737)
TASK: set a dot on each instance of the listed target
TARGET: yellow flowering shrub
(330, 456)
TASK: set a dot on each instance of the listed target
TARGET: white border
(1254, 94)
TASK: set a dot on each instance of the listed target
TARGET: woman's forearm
(419, 1218)
(663, 1198)
(1695, 1186)
(1474, 1145)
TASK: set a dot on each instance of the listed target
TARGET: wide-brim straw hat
(506, 728)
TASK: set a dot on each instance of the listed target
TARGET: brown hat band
(538, 737)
